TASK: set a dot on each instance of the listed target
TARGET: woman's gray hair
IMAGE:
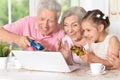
(77, 11)
(51, 5)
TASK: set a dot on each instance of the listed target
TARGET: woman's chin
(74, 39)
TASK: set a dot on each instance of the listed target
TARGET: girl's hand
(89, 57)
(115, 61)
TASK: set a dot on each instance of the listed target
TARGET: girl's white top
(101, 49)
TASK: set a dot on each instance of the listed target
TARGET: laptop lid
(43, 61)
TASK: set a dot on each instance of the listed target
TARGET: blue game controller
(37, 46)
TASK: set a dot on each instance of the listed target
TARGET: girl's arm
(115, 61)
(113, 49)
(113, 52)
(114, 46)
(90, 57)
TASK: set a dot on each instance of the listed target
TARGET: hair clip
(98, 15)
(104, 17)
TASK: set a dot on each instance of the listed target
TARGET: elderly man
(43, 29)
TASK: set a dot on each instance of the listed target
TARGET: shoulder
(26, 19)
(114, 45)
(114, 42)
(66, 37)
(30, 18)
(111, 38)
(60, 34)
(114, 38)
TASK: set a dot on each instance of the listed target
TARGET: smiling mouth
(89, 38)
(72, 35)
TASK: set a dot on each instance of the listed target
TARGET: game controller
(37, 46)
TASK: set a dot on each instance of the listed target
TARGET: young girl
(100, 42)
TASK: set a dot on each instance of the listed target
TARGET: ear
(100, 27)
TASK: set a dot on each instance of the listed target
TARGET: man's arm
(7, 36)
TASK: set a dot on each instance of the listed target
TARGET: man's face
(46, 21)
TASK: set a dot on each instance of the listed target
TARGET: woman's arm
(64, 49)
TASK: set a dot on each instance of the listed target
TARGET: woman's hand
(64, 49)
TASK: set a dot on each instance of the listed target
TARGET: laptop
(43, 61)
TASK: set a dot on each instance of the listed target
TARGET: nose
(46, 23)
(85, 34)
(70, 29)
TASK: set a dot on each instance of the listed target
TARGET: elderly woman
(71, 25)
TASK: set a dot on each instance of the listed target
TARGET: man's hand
(22, 41)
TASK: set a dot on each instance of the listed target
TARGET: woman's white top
(101, 49)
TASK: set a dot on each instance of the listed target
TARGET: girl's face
(72, 27)
(91, 31)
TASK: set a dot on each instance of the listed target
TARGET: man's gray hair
(51, 5)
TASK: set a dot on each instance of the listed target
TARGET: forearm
(69, 59)
(8, 36)
(103, 61)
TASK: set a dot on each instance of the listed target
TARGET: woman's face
(90, 31)
(72, 27)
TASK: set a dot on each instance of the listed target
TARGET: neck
(102, 37)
